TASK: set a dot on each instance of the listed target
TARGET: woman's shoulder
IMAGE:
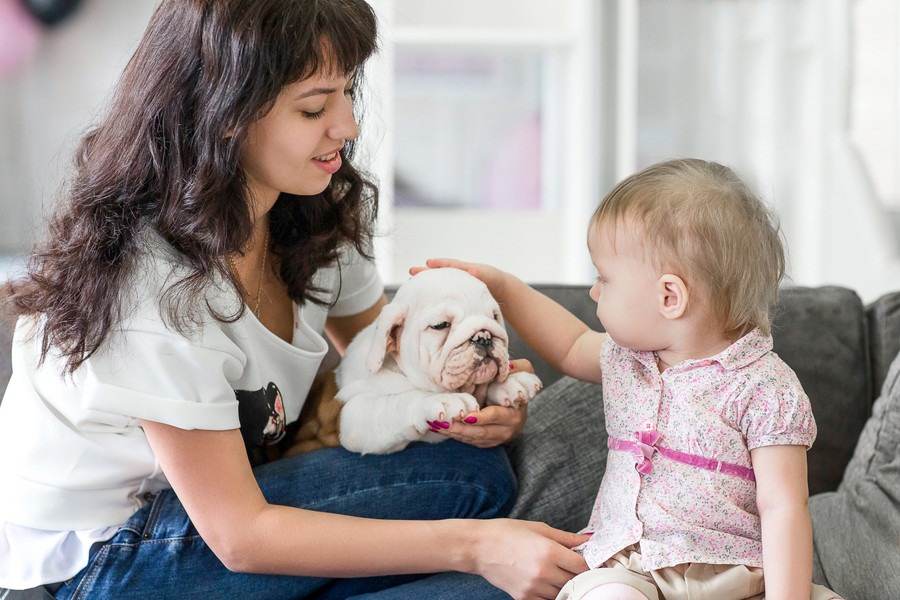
(162, 288)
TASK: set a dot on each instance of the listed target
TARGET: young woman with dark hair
(170, 326)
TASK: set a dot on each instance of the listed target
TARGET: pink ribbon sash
(646, 444)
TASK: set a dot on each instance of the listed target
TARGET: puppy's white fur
(438, 351)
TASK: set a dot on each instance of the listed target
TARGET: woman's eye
(441, 325)
(350, 90)
(314, 115)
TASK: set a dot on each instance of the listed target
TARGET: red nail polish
(471, 420)
(442, 424)
(512, 367)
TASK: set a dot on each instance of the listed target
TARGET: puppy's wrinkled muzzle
(474, 362)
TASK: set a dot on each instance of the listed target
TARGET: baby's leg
(614, 591)
(609, 584)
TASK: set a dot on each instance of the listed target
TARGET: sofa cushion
(863, 516)
(560, 457)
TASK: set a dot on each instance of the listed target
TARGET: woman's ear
(673, 296)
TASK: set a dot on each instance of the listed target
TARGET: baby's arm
(782, 499)
(557, 335)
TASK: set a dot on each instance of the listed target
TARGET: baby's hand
(493, 278)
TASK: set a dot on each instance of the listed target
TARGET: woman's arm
(782, 498)
(558, 336)
(211, 475)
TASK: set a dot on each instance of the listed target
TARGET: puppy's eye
(497, 317)
(441, 325)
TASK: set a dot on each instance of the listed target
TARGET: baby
(705, 490)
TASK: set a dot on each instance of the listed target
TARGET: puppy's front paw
(517, 390)
(445, 407)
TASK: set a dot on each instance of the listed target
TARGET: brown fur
(319, 418)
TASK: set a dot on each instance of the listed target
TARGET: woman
(170, 327)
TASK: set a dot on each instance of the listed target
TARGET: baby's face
(627, 289)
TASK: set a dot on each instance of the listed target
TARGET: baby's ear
(673, 296)
(387, 334)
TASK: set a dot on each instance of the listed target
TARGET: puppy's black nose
(483, 340)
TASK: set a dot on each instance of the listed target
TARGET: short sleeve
(160, 375)
(779, 412)
(360, 284)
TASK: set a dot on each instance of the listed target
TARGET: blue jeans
(159, 554)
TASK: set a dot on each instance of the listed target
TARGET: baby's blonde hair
(701, 218)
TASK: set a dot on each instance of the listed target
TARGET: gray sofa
(844, 354)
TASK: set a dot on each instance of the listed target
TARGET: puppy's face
(445, 332)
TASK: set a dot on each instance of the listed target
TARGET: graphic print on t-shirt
(262, 417)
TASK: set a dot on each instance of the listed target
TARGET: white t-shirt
(74, 461)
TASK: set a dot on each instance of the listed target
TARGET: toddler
(705, 490)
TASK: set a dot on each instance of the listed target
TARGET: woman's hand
(493, 278)
(492, 425)
(489, 427)
(527, 560)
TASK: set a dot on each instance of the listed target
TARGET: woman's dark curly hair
(166, 156)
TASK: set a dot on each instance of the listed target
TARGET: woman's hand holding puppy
(492, 425)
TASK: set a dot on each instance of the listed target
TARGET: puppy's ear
(387, 332)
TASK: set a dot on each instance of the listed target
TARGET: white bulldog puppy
(438, 351)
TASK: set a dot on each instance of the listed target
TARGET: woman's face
(295, 147)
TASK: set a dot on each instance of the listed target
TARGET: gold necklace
(262, 274)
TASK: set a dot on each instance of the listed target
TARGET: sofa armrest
(883, 316)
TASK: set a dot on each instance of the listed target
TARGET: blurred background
(495, 126)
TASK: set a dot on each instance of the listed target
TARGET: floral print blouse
(717, 408)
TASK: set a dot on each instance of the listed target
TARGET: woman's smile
(330, 163)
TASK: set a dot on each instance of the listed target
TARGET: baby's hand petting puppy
(516, 390)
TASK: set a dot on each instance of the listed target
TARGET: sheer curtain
(765, 86)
